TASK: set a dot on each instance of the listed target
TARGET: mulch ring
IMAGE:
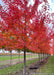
(32, 68)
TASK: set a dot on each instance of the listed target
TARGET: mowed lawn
(48, 69)
(2, 58)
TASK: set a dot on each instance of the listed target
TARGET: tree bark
(10, 57)
(39, 57)
(24, 70)
(19, 56)
(43, 56)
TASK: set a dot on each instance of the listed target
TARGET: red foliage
(23, 25)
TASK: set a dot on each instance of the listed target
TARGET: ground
(49, 67)
(45, 68)
(15, 67)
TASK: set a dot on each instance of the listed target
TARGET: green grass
(48, 69)
(15, 68)
(2, 58)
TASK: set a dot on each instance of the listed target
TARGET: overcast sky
(51, 2)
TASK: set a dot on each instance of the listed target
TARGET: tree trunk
(43, 56)
(24, 70)
(10, 57)
(39, 57)
(19, 56)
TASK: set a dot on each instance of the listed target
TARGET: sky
(51, 2)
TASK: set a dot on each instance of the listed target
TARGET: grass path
(16, 68)
(2, 58)
(48, 69)
(15, 59)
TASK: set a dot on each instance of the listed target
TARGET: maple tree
(23, 26)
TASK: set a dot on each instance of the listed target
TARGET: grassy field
(15, 68)
(48, 69)
(2, 58)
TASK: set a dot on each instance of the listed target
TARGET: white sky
(51, 2)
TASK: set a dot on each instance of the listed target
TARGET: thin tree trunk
(10, 57)
(19, 56)
(24, 70)
(29, 55)
(43, 56)
(39, 57)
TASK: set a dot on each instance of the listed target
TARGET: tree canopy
(24, 25)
